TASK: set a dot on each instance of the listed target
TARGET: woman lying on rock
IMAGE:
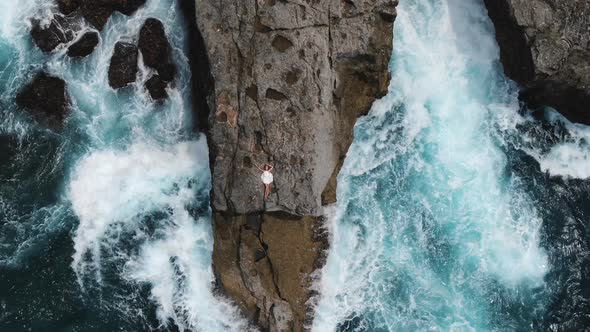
(266, 178)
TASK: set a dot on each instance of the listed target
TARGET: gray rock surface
(288, 81)
(545, 47)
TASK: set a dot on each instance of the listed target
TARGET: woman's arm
(258, 167)
(271, 167)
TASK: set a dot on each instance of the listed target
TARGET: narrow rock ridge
(545, 47)
(281, 82)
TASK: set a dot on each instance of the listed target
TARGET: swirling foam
(431, 231)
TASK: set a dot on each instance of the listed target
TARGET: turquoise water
(106, 225)
(457, 209)
(445, 220)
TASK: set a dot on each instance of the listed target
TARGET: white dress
(266, 177)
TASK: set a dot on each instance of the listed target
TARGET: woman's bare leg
(266, 191)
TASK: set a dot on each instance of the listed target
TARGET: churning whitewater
(131, 210)
(458, 208)
(444, 222)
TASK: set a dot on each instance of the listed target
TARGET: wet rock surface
(167, 72)
(153, 44)
(289, 81)
(68, 6)
(46, 98)
(98, 12)
(85, 45)
(545, 47)
(123, 67)
(155, 49)
(49, 36)
(156, 86)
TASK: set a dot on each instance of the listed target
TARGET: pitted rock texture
(288, 79)
(57, 32)
(265, 263)
(545, 47)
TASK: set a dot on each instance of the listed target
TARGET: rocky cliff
(545, 47)
(281, 82)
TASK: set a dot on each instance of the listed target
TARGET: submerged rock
(68, 6)
(545, 47)
(97, 12)
(46, 98)
(155, 48)
(123, 67)
(48, 37)
(167, 72)
(127, 7)
(85, 45)
(157, 87)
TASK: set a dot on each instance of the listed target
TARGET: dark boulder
(155, 48)
(46, 98)
(97, 12)
(128, 7)
(68, 6)
(157, 87)
(123, 68)
(85, 45)
(167, 71)
(48, 37)
(545, 48)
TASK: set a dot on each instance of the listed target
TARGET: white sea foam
(140, 165)
(426, 215)
(113, 190)
(570, 158)
(112, 186)
(179, 269)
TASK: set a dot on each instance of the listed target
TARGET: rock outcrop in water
(46, 99)
(85, 45)
(57, 32)
(156, 86)
(545, 47)
(155, 49)
(153, 44)
(123, 67)
(68, 6)
(289, 81)
(98, 12)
